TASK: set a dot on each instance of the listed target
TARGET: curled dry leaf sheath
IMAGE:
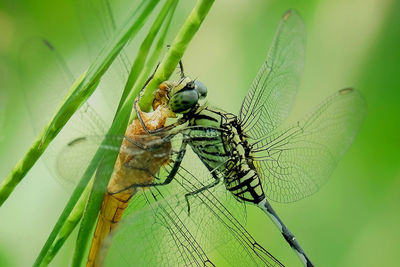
(134, 165)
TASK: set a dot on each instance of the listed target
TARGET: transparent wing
(136, 155)
(98, 22)
(155, 236)
(271, 96)
(164, 234)
(45, 80)
(295, 162)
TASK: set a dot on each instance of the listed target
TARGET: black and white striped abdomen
(244, 183)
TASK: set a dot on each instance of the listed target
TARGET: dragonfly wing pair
(73, 149)
(294, 160)
(273, 91)
(45, 79)
(158, 230)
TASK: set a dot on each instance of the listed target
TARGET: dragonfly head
(185, 96)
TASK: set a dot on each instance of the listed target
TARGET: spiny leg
(204, 188)
(153, 146)
(181, 67)
(136, 104)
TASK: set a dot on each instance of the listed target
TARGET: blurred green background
(352, 221)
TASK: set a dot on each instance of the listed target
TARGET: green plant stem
(125, 109)
(175, 53)
(152, 60)
(77, 212)
(77, 95)
(122, 118)
(32, 155)
(70, 224)
(144, 49)
(185, 35)
(70, 205)
(144, 12)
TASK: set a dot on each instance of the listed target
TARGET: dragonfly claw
(187, 203)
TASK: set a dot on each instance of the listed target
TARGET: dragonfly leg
(181, 67)
(143, 170)
(206, 187)
(156, 146)
(163, 129)
(166, 128)
(136, 105)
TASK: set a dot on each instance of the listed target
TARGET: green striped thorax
(185, 95)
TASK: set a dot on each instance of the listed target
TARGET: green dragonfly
(173, 236)
(157, 230)
(252, 154)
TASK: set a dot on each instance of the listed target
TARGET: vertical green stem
(178, 48)
(133, 24)
(68, 226)
(77, 95)
(118, 128)
(151, 62)
(144, 51)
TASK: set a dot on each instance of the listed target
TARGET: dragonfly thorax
(226, 153)
(218, 139)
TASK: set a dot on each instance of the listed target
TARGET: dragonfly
(189, 239)
(68, 156)
(252, 154)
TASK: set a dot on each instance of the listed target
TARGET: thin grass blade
(144, 10)
(168, 64)
(77, 95)
(101, 181)
(178, 48)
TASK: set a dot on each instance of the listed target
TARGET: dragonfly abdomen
(244, 184)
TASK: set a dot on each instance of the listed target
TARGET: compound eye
(183, 101)
(200, 88)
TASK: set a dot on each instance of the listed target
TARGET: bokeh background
(352, 221)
